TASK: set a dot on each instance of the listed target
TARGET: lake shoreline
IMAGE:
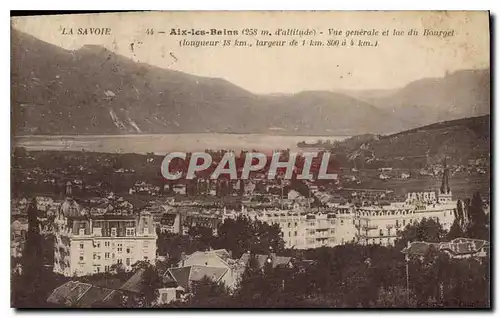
(165, 143)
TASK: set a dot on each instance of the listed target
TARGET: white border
(198, 5)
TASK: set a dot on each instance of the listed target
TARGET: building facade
(86, 244)
(380, 224)
(305, 229)
(369, 224)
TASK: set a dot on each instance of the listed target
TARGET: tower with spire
(445, 191)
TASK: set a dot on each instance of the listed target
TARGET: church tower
(445, 191)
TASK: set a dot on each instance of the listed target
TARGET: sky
(393, 63)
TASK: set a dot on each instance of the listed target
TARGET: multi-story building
(304, 229)
(194, 219)
(380, 224)
(169, 222)
(373, 224)
(88, 244)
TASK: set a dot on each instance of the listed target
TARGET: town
(157, 242)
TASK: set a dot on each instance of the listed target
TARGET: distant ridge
(459, 140)
(461, 94)
(94, 91)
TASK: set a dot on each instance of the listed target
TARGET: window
(128, 250)
(295, 224)
(145, 244)
(81, 258)
(127, 262)
(130, 232)
(113, 231)
(97, 244)
(404, 222)
(106, 255)
(381, 233)
(289, 224)
(81, 232)
(332, 221)
(341, 222)
(295, 233)
(95, 255)
(106, 244)
(145, 258)
(119, 261)
(106, 268)
(119, 247)
(98, 269)
(81, 246)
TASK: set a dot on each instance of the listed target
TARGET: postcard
(251, 159)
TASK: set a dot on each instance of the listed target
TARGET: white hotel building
(362, 225)
(302, 230)
(85, 245)
(380, 224)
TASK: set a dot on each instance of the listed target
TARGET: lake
(165, 143)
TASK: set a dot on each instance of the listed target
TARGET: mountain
(461, 94)
(95, 91)
(459, 140)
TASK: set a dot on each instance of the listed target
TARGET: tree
(393, 297)
(207, 293)
(255, 286)
(427, 230)
(460, 216)
(243, 234)
(455, 231)
(477, 226)
(203, 235)
(151, 281)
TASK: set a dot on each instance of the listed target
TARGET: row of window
(97, 268)
(97, 231)
(97, 244)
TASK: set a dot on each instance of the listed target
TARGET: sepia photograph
(250, 159)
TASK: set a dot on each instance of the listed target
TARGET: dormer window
(81, 232)
(113, 231)
(97, 231)
(146, 231)
(130, 232)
